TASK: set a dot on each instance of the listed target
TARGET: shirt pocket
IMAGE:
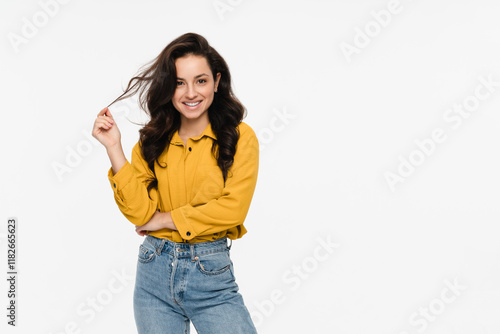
(208, 184)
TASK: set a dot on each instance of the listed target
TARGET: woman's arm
(127, 180)
(116, 156)
(130, 187)
(160, 220)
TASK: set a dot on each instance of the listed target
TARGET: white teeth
(192, 104)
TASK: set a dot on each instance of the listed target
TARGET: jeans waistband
(179, 249)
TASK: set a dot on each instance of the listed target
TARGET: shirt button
(114, 185)
(188, 233)
(190, 149)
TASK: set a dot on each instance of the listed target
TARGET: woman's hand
(159, 221)
(105, 129)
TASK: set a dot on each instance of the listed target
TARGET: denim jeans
(181, 282)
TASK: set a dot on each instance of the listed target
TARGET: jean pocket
(147, 253)
(214, 264)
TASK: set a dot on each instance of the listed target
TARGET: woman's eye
(179, 83)
(202, 81)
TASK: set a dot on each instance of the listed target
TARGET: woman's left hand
(159, 221)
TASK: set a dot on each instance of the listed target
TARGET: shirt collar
(176, 139)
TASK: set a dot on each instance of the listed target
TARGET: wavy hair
(157, 82)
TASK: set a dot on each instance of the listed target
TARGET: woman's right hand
(105, 129)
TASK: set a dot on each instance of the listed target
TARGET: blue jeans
(181, 282)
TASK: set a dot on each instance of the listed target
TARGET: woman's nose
(191, 92)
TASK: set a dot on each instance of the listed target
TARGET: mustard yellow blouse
(191, 188)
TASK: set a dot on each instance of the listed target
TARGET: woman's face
(195, 87)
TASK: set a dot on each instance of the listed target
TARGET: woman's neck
(192, 127)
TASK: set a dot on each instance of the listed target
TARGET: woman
(188, 189)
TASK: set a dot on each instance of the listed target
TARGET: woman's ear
(217, 82)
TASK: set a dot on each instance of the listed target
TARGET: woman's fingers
(104, 121)
(103, 124)
(102, 112)
(103, 129)
(108, 113)
(105, 113)
(140, 231)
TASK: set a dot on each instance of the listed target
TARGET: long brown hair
(158, 79)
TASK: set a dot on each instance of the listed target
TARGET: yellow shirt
(191, 188)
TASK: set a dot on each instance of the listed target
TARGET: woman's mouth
(191, 104)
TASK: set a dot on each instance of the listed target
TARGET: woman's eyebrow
(196, 77)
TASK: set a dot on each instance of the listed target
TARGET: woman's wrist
(168, 221)
(116, 157)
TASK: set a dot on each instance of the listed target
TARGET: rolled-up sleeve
(130, 189)
(231, 208)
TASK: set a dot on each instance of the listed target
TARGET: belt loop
(230, 243)
(160, 247)
(191, 250)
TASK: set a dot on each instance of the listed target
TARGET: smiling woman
(194, 94)
(188, 189)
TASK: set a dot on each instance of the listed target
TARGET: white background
(331, 125)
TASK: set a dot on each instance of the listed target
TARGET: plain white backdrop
(377, 204)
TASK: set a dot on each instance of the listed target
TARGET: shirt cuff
(119, 180)
(181, 222)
